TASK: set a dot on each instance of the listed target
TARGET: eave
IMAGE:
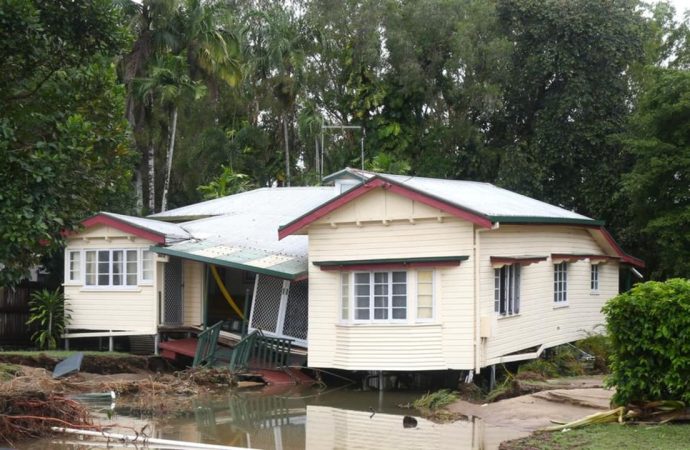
(390, 263)
(105, 220)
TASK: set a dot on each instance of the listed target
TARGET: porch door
(172, 307)
(280, 307)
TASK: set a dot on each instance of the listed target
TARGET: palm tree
(169, 85)
(280, 41)
(152, 23)
(198, 32)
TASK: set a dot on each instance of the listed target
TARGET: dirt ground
(565, 400)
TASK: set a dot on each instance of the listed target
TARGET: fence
(14, 312)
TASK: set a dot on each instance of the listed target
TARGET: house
(402, 273)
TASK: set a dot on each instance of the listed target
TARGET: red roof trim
(375, 182)
(102, 219)
(624, 256)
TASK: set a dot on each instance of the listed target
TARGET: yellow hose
(225, 292)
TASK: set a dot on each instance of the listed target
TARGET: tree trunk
(138, 176)
(168, 162)
(287, 150)
(152, 178)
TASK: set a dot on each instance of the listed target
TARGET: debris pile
(32, 414)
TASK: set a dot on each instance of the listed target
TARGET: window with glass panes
(594, 278)
(507, 290)
(560, 282)
(75, 265)
(111, 267)
(425, 295)
(380, 296)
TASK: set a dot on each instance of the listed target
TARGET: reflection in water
(299, 419)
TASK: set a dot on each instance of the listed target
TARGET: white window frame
(142, 280)
(68, 267)
(594, 278)
(346, 286)
(416, 296)
(82, 279)
(372, 308)
(511, 289)
(560, 284)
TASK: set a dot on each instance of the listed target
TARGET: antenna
(342, 128)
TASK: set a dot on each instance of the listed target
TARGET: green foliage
(47, 310)
(227, 183)
(657, 186)
(435, 400)
(539, 366)
(650, 346)
(64, 147)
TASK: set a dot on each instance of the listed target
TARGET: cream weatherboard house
(402, 273)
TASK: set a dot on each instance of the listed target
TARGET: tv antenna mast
(342, 128)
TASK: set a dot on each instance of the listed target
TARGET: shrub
(435, 400)
(649, 330)
(47, 309)
(539, 366)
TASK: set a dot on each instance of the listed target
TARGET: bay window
(110, 268)
(385, 296)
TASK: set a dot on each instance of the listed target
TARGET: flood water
(302, 418)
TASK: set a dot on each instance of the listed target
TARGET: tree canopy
(127, 106)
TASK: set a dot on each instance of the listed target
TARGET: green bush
(47, 310)
(649, 331)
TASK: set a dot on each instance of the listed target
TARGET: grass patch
(607, 437)
(435, 400)
(9, 371)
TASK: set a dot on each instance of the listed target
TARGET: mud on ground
(100, 364)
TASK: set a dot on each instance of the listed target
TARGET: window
(594, 278)
(111, 267)
(425, 295)
(345, 296)
(507, 290)
(146, 266)
(560, 283)
(74, 270)
(380, 296)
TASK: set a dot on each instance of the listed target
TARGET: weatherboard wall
(105, 309)
(383, 225)
(541, 320)
(192, 294)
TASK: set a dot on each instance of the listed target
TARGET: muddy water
(304, 419)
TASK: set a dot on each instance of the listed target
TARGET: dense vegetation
(648, 329)
(139, 106)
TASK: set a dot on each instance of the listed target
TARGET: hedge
(649, 327)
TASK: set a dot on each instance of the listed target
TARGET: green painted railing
(257, 351)
(207, 346)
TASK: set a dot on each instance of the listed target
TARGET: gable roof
(480, 203)
(152, 230)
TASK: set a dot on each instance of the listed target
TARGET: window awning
(238, 257)
(391, 263)
(570, 257)
(499, 261)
